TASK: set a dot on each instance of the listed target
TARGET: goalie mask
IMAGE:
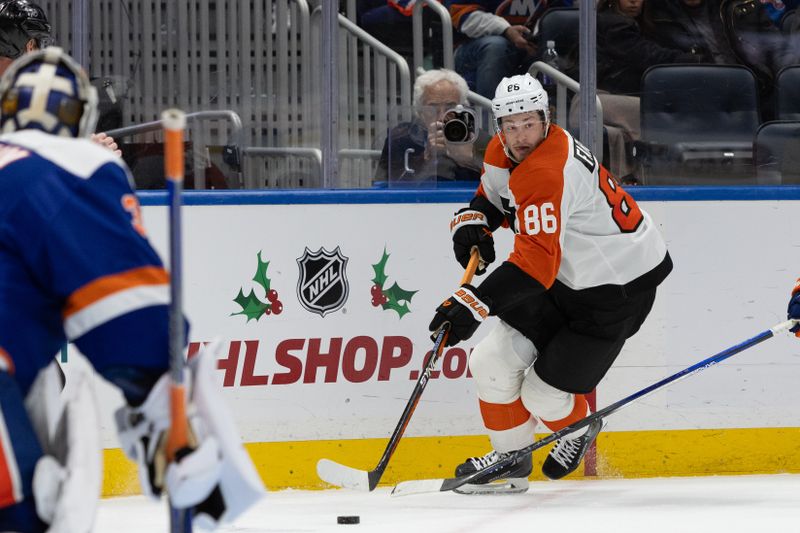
(21, 21)
(48, 91)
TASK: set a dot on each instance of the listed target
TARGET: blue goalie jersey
(74, 260)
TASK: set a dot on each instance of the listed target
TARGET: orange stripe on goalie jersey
(796, 287)
(6, 363)
(537, 185)
(579, 411)
(108, 285)
(6, 479)
(502, 416)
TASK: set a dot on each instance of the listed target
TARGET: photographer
(420, 150)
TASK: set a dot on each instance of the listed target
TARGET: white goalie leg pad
(239, 482)
(68, 478)
(498, 363)
(545, 401)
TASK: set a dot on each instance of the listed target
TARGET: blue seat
(788, 20)
(697, 124)
(787, 93)
(774, 144)
(560, 25)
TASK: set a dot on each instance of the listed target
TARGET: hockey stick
(174, 122)
(436, 485)
(353, 478)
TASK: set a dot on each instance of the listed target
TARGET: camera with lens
(459, 125)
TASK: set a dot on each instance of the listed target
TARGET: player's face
(523, 132)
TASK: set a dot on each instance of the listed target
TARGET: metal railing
(447, 32)
(375, 93)
(201, 142)
(258, 58)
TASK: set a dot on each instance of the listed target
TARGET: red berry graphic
(375, 302)
(266, 310)
(376, 290)
(277, 307)
(272, 295)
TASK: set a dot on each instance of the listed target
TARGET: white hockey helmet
(519, 94)
(48, 90)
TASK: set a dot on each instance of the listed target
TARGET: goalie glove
(215, 475)
(470, 229)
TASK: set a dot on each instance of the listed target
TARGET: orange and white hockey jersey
(573, 221)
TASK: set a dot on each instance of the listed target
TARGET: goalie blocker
(216, 477)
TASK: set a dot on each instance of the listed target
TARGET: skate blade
(502, 486)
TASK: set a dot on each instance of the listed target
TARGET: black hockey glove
(470, 228)
(464, 310)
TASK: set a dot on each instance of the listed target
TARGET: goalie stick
(420, 486)
(174, 122)
(353, 478)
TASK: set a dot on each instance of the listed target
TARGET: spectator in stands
(495, 42)
(418, 151)
(777, 9)
(732, 32)
(624, 53)
(24, 28)
(390, 22)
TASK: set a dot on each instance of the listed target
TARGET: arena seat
(697, 124)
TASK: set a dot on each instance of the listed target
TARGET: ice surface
(708, 504)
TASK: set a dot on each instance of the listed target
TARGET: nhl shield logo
(322, 286)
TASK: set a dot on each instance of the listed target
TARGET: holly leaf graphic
(397, 299)
(380, 270)
(261, 274)
(251, 306)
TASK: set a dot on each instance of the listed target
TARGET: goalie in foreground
(75, 265)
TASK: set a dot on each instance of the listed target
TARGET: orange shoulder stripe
(538, 186)
(495, 154)
(107, 285)
(458, 12)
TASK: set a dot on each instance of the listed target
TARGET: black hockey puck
(348, 520)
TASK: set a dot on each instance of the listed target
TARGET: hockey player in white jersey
(75, 264)
(581, 279)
